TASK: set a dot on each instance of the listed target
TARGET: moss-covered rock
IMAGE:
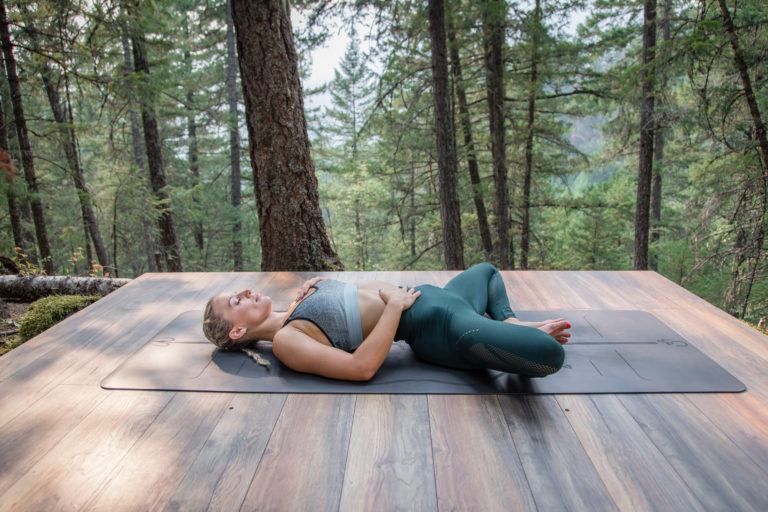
(48, 311)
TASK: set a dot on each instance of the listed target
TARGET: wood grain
(720, 474)
(28, 437)
(76, 447)
(147, 476)
(222, 472)
(390, 456)
(558, 470)
(476, 465)
(71, 471)
(304, 463)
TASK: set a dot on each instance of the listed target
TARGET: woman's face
(245, 309)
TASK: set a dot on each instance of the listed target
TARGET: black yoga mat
(609, 352)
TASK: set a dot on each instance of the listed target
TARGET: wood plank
(147, 476)
(721, 475)
(27, 438)
(740, 416)
(95, 316)
(635, 472)
(188, 295)
(547, 451)
(67, 475)
(36, 379)
(476, 465)
(390, 456)
(519, 293)
(221, 474)
(304, 463)
(738, 331)
(550, 451)
(647, 298)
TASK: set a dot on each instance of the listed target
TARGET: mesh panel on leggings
(499, 359)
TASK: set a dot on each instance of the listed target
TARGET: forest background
(575, 131)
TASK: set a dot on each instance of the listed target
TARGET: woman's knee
(552, 353)
(485, 267)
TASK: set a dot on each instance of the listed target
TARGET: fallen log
(30, 288)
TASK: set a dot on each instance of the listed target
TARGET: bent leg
(482, 287)
(505, 347)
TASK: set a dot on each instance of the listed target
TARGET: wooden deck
(65, 443)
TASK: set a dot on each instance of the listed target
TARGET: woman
(345, 331)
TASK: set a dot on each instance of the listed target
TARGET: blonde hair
(216, 329)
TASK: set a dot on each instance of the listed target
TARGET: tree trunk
(746, 82)
(291, 226)
(26, 150)
(450, 212)
(412, 212)
(474, 173)
(69, 140)
(494, 16)
(138, 159)
(169, 247)
(762, 139)
(234, 143)
(192, 153)
(658, 143)
(8, 171)
(31, 288)
(645, 167)
(532, 91)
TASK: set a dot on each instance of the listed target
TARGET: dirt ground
(10, 312)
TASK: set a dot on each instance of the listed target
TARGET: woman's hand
(402, 297)
(303, 289)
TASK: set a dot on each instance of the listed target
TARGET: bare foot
(555, 327)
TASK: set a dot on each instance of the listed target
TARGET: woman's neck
(267, 329)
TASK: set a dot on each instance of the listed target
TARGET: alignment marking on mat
(596, 368)
(592, 326)
(203, 370)
(633, 368)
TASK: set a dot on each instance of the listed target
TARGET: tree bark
(168, 244)
(494, 17)
(291, 226)
(192, 152)
(746, 82)
(8, 172)
(532, 91)
(466, 125)
(645, 167)
(658, 143)
(26, 150)
(138, 159)
(762, 140)
(235, 194)
(30, 288)
(450, 212)
(69, 141)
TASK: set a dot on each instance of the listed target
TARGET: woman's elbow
(366, 374)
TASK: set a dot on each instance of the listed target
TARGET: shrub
(48, 311)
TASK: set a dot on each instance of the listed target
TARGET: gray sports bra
(333, 308)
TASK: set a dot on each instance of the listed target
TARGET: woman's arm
(299, 352)
(375, 347)
(302, 353)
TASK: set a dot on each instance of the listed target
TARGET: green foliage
(46, 312)
(374, 146)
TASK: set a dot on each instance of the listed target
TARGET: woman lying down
(345, 331)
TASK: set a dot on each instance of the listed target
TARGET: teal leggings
(447, 326)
